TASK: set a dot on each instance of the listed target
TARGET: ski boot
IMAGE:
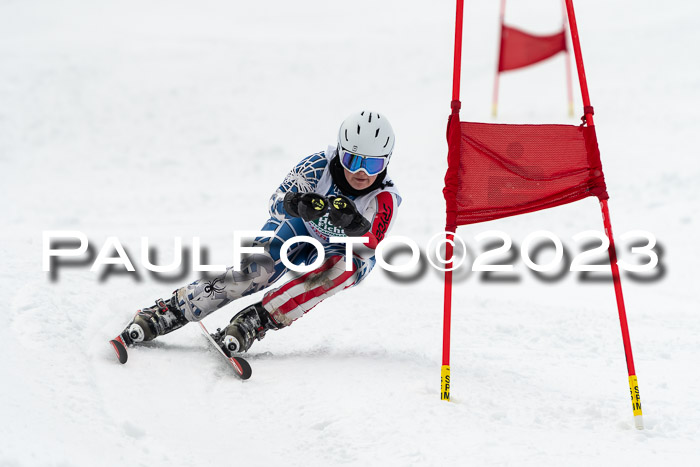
(248, 325)
(154, 321)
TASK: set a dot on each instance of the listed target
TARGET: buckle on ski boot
(162, 307)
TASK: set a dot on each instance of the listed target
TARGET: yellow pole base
(494, 110)
(445, 383)
(636, 403)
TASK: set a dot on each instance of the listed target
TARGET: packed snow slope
(179, 118)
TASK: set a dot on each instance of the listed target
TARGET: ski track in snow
(179, 119)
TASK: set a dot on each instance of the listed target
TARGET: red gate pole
(456, 72)
(588, 113)
(446, 323)
(447, 318)
(569, 87)
(494, 103)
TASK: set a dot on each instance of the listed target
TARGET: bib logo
(325, 229)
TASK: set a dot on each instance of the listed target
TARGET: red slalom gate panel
(499, 170)
(520, 49)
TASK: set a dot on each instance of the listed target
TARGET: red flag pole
(456, 72)
(587, 109)
(494, 104)
(569, 87)
(447, 319)
(446, 324)
(588, 115)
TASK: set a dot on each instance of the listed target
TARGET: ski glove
(345, 215)
(308, 206)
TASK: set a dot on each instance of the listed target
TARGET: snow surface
(179, 118)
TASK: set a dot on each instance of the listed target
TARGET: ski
(240, 365)
(120, 349)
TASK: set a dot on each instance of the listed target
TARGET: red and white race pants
(296, 297)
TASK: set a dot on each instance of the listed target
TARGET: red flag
(520, 49)
(497, 170)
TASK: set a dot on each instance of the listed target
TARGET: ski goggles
(353, 163)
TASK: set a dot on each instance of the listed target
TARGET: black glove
(308, 206)
(344, 214)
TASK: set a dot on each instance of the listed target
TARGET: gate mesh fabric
(498, 170)
(520, 49)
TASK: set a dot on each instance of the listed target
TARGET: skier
(343, 191)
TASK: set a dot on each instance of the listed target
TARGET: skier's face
(359, 180)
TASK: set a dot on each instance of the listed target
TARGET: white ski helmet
(366, 134)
